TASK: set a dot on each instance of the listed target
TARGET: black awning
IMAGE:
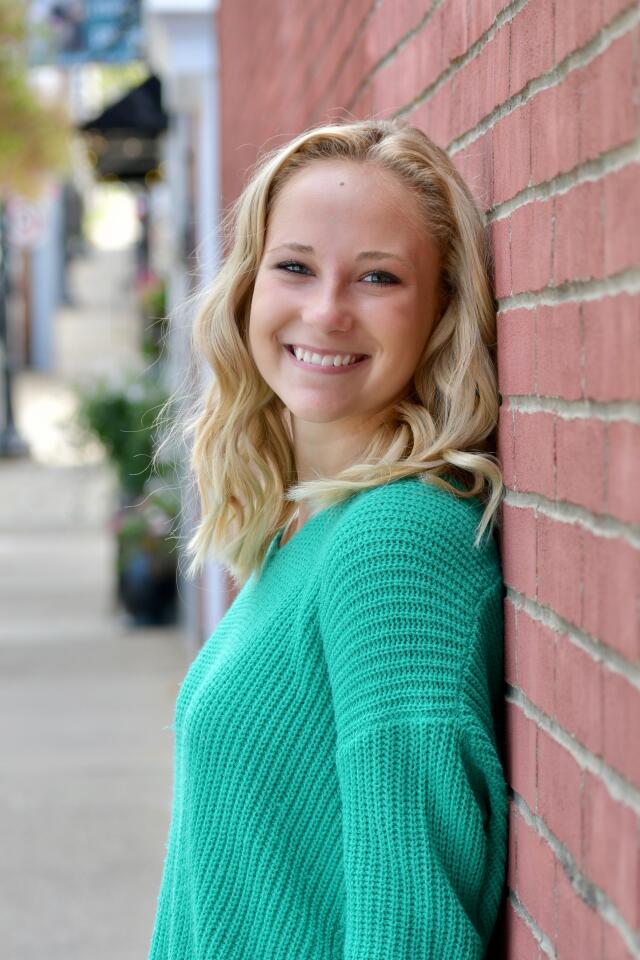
(139, 112)
(124, 137)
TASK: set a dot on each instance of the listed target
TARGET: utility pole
(11, 443)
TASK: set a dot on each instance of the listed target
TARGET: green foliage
(122, 417)
(34, 137)
(152, 298)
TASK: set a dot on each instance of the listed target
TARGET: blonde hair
(242, 455)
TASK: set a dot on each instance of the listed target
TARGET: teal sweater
(338, 791)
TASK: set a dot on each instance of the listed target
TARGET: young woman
(338, 789)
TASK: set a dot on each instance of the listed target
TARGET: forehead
(365, 193)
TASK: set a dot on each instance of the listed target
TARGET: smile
(324, 362)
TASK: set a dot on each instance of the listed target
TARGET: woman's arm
(412, 631)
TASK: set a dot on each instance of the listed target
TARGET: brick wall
(538, 103)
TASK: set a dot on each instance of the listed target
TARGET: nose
(327, 308)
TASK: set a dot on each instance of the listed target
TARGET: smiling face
(347, 269)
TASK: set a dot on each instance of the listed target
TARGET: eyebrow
(363, 255)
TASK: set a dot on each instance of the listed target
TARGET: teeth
(328, 360)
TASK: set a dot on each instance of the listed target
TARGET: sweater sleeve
(412, 633)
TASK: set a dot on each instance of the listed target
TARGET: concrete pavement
(86, 701)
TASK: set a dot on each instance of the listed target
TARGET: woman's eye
(381, 278)
(287, 266)
(388, 278)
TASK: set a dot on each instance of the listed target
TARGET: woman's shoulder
(411, 504)
(413, 521)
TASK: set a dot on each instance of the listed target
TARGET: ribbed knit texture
(338, 792)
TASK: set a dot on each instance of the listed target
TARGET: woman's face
(347, 269)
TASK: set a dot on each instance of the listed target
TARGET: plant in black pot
(147, 557)
(121, 414)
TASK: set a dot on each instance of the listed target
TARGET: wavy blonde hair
(242, 457)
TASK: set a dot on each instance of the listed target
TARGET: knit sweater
(338, 789)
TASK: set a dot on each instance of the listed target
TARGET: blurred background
(126, 130)
(108, 188)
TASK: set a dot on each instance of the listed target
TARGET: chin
(318, 414)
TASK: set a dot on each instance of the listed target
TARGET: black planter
(149, 595)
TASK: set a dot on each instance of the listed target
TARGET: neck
(322, 450)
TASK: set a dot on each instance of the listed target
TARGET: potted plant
(120, 414)
(147, 557)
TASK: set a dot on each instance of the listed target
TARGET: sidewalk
(86, 701)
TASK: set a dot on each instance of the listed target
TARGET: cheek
(402, 334)
(258, 315)
(264, 316)
(403, 345)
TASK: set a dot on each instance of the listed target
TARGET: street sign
(69, 32)
(27, 220)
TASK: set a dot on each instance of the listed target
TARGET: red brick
(578, 930)
(516, 352)
(608, 114)
(521, 752)
(429, 53)
(576, 22)
(622, 215)
(555, 123)
(366, 106)
(560, 567)
(578, 694)
(611, 851)
(611, 579)
(531, 43)
(531, 230)
(518, 549)
(387, 25)
(621, 725)
(492, 73)
(536, 662)
(534, 452)
(512, 153)
(512, 853)
(580, 456)
(481, 16)
(475, 163)
(536, 876)
(434, 116)
(470, 97)
(614, 947)
(398, 81)
(623, 470)
(611, 8)
(506, 445)
(455, 36)
(559, 351)
(341, 60)
(510, 633)
(519, 940)
(579, 235)
(499, 233)
(611, 347)
(559, 790)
